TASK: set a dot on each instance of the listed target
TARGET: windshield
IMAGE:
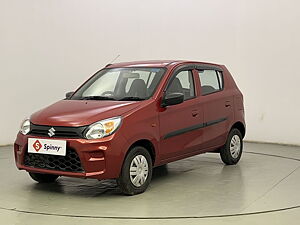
(121, 84)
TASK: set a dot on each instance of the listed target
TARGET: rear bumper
(100, 159)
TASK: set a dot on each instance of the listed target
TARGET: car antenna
(111, 62)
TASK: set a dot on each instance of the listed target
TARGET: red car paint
(144, 122)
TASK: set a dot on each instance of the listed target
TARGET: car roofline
(157, 63)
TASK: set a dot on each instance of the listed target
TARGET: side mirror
(69, 94)
(172, 99)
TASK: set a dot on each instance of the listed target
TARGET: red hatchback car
(131, 117)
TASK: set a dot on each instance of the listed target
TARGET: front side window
(182, 83)
(211, 81)
(121, 84)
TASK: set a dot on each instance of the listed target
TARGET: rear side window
(211, 81)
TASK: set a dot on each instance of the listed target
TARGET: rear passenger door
(218, 107)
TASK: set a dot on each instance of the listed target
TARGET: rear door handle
(195, 113)
(227, 104)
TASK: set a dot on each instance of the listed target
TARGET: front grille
(68, 163)
(61, 132)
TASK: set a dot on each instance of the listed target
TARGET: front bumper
(100, 159)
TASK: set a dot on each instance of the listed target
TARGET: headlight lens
(103, 128)
(25, 127)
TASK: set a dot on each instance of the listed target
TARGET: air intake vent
(68, 163)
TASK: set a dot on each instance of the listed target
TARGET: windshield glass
(121, 84)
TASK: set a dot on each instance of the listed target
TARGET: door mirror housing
(172, 99)
(69, 94)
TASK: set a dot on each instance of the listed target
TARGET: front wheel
(136, 172)
(43, 178)
(232, 150)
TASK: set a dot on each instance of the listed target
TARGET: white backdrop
(49, 47)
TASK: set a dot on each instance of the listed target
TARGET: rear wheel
(43, 178)
(232, 150)
(136, 172)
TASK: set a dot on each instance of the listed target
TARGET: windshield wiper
(97, 98)
(131, 98)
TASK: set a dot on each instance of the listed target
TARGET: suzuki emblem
(51, 132)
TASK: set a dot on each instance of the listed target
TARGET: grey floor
(263, 188)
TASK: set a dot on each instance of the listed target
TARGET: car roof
(155, 63)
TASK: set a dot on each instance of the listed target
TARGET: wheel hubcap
(235, 146)
(138, 170)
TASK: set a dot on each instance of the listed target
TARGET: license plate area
(47, 146)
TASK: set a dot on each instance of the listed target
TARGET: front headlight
(103, 128)
(25, 127)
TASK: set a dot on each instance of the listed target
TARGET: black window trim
(191, 67)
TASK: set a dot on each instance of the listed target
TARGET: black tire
(124, 181)
(227, 156)
(43, 178)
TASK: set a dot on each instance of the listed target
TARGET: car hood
(80, 113)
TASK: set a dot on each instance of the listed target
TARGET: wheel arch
(147, 144)
(241, 127)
